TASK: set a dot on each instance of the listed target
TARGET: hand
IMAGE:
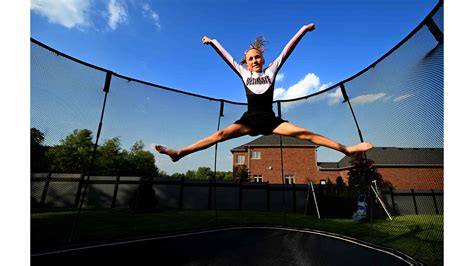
(206, 40)
(310, 27)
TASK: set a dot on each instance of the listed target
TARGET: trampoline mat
(232, 246)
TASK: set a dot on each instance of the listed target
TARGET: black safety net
(97, 178)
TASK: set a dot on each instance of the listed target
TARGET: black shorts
(261, 123)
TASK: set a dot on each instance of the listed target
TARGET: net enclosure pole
(282, 170)
(221, 114)
(346, 99)
(315, 201)
(106, 89)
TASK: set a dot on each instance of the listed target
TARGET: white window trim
(258, 177)
(288, 178)
(243, 161)
(256, 153)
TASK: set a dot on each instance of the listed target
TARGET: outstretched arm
(280, 60)
(224, 54)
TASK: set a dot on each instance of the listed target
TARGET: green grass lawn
(420, 236)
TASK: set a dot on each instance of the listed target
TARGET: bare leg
(232, 131)
(288, 129)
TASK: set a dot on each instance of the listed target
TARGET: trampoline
(236, 245)
(69, 94)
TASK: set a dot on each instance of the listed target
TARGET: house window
(289, 179)
(255, 155)
(240, 159)
(258, 178)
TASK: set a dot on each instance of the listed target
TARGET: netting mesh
(399, 102)
(396, 103)
(232, 113)
(65, 95)
(140, 112)
(324, 114)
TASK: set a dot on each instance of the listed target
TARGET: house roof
(274, 141)
(398, 156)
(328, 164)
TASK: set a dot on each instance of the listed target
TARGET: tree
(224, 175)
(110, 159)
(242, 173)
(37, 137)
(362, 172)
(178, 175)
(74, 153)
(361, 175)
(190, 174)
(204, 173)
(143, 161)
(38, 159)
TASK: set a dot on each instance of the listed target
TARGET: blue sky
(160, 42)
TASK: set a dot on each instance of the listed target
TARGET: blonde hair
(258, 44)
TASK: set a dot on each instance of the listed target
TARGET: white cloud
(335, 97)
(117, 14)
(367, 98)
(279, 93)
(403, 97)
(280, 77)
(151, 14)
(310, 84)
(68, 13)
(81, 14)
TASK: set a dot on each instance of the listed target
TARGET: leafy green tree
(143, 161)
(204, 173)
(37, 137)
(190, 174)
(73, 154)
(110, 159)
(38, 160)
(113, 160)
(242, 173)
(362, 172)
(224, 175)
(178, 175)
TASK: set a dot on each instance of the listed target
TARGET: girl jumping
(259, 84)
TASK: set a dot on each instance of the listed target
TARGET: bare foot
(174, 155)
(361, 147)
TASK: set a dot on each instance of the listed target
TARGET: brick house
(402, 168)
(261, 158)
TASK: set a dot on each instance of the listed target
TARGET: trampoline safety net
(96, 178)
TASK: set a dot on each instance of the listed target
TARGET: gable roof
(401, 156)
(274, 141)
